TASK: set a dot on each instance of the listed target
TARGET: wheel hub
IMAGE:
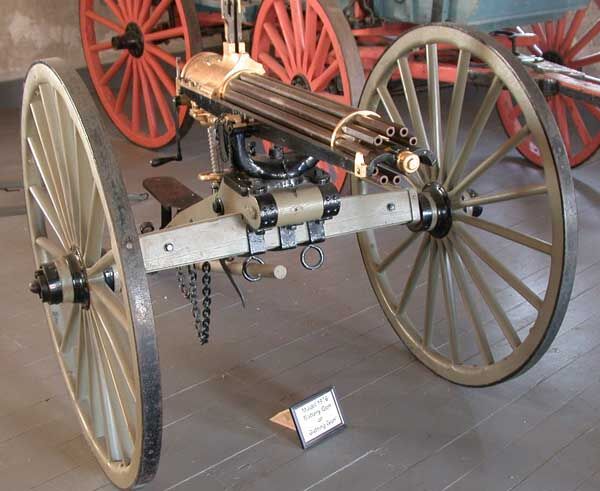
(62, 281)
(553, 56)
(301, 81)
(436, 211)
(132, 40)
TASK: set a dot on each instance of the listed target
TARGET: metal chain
(190, 292)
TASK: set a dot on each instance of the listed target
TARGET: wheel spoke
(113, 347)
(164, 34)
(455, 112)
(115, 67)
(563, 124)
(286, 29)
(582, 130)
(310, 36)
(68, 137)
(595, 111)
(584, 40)
(432, 286)
(587, 60)
(389, 105)
(163, 107)
(433, 89)
(142, 15)
(106, 261)
(449, 302)
(109, 305)
(479, 123)
(273, 65)
(159, 10)
(84, 188)
(52, 248)
(560, 33)
(136, 96)
(395, 254)
(83, 375)
(45, 204)
(496, 156)
(98, 47)
(164, 78)
(104, 21)
(54, 121)
(95, 229)
(413, 102)
(523, 192)
(125, 84)
(298, 26)
(575, 25)
(96, 397)
(280, 48)
(72, 327)
(510, 278)
(488, 296)
(509, 234)
(49, 171)
(415, 273)
(111, 431)
(550, 34)
(114, 402)
(117, 12)
(323, 80)
(148, 103)
(467, 298)
(537, 29)
(318, 62)
(161, 54)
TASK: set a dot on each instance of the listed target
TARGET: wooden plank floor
(407, 429)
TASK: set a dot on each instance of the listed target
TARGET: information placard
(317, 417)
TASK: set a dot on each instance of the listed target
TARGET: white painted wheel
(98, 307)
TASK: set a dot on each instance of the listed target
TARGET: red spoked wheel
(130, 47)
(309, 44)
(569, 42)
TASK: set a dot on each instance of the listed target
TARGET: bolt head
(391, 206)
(169, 247)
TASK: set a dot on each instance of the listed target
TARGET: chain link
(190, 292)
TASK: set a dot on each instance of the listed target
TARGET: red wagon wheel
(125, 45)
(566, 42)
(310, 45)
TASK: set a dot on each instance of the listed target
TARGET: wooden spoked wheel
(310, 45)
(570, 42)
(130, 48)
(480, 295)
(91, 274)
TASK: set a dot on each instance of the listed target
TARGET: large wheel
(124, 43)
(499, 256)
(566, 42)
(310, 45)
(91, 275)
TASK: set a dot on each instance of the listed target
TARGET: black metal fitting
(47, 284)
(132, 40)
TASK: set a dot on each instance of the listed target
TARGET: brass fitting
(408, 162)
(213, 176)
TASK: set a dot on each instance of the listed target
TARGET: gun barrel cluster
(314, 116)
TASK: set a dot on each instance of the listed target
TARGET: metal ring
(318, 264)
(246, 274)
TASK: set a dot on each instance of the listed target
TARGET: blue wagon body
(487, 15)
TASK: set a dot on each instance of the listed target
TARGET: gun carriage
(476, 294)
